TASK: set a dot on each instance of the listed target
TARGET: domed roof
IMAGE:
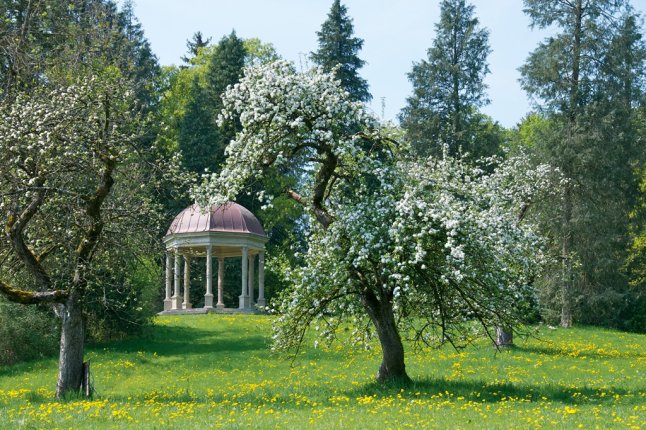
(230, 217)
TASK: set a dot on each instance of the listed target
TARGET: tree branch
(93, 208)
(321, 214)
(32, 297)
(14, 229)
(93, 211)
(523, 212)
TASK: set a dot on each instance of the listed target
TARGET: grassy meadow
(217, 371)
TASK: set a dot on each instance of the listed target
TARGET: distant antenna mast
(302, 60)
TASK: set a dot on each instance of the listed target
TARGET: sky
(396, 33)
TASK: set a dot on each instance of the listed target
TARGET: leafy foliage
(26, 333)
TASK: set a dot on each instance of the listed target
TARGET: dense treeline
(587, 81)
(588, 121)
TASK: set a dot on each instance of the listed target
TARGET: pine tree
(137, 57)
(338, 48)
(448, 87)
(201, 141)
(225, 66)
(224, 70)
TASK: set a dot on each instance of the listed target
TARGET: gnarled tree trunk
(70, 365)
(381, 313)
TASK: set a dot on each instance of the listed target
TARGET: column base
(187, 306)
(261, 303)
(208, 301)
(220, 306)
(167, 304)
(176, 304)
(245, 302)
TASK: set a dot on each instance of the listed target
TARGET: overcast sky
(396, 33)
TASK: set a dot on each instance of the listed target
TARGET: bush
(27, 332)
(118, 306)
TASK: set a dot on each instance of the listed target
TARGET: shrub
(27, 332)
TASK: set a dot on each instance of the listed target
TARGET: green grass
(216, 371)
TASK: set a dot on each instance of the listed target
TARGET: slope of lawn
(216, 371)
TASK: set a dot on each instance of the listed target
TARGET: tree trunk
(504, 337)
(70, 365)
(393, 368)
(566, 309)
(566, 281)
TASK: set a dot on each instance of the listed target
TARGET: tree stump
(504, 337)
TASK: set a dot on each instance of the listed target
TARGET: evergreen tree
(338, 48)
(224, 70)
(136, 56)
(225, 66)
(201, 141)
(448, 87)
(198, 42)
(587, 80)
(198, 134)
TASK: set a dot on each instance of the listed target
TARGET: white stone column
(252, 259)
(187, 283)
(220, 303)
(208, 297)
(261, 280)
(176, 300)
(244, 296)
(169, 282)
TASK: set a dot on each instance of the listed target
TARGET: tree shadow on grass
(182, 341)
(555, 351)
(487, 392)
(437, 388)
(35, 365)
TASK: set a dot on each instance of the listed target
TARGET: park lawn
(217, 371)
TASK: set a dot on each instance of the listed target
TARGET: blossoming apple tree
(397, 247)
(70, 192)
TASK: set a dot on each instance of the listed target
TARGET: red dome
(230, 217)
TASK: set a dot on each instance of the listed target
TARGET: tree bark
(504, 337)
(393, 368)
(70, 365)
